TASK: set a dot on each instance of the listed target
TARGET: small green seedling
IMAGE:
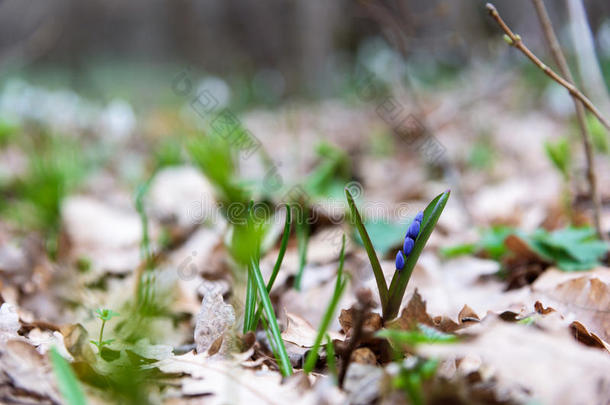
(412, 374)
(104, 315)
(411, 377)
(340, 284)
(420, 230)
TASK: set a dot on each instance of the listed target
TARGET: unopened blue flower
(419, 217)
(400, 260)
(413, 230)
(407, 247)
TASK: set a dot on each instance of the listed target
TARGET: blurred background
(112, 84)
(271, 51)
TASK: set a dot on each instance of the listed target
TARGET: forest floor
(507, 303)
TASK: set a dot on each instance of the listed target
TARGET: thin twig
(361, 308)
(560, 60)
(515, 40)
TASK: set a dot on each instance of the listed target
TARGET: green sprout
(391, 297)
(104, 315)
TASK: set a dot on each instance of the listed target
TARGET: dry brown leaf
(525, 363)
(372, 321)
(301, 333)
(364, 355)
(415, 313)
(26, 375)
(225, 382)
(582, 297)
(581, 334)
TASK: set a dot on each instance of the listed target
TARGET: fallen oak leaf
(583, 297)
(503, 348)
(580, 332)
(415, 313)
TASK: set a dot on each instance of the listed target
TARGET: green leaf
(424, 334)
(283, 244)
(330, 359)
(250, 307)
(331, 172)
(559, 154)
(274, 329)
(216, 157)
(340, 284)
(572, 249)
(382, 286)
(449, 252)
(599, 134)
(303, 241)
(278, 261)
(401, 278)
(106, 314)
(66, 380)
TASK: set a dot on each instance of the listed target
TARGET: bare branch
(560, 60)
(515, 40)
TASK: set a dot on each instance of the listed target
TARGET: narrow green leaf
(283, 359)
(278, 262)
(250, 307)
(66, 380)
(330, 359)
(303, 240)
(340, 284)
(280, 256)
(401, 278)
(382, 286)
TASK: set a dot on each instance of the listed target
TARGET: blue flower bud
(408, 246)
(419, 217)
(400, 260)
(413, 230)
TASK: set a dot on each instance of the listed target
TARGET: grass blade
(278, 263)
(302, 239)
(250, 306)
(370, 251)
(283, 359)
(341, 283)
(330, 359)
(66, 380)
(280, 256)
(401, 278)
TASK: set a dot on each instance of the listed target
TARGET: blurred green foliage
(560, 155)
(571, 249)
(599, 135)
